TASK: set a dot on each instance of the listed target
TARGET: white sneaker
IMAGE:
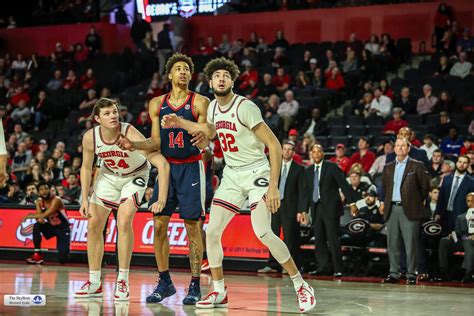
(214, 300)
(122, 291)
(89, 289)
(306, 298)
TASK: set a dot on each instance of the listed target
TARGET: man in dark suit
(461, 240)
(289, 216)
(414, 153)
(452, 195)
(323, 181)
(406, 184)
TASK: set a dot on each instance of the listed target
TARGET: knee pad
(277, 247)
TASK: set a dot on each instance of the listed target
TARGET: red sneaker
(122, 291)
(36, 258)
(306, 298)
(214, 300)
(205, 265)
(89, 289)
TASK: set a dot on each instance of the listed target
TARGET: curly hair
(221, 64)
(177, 58)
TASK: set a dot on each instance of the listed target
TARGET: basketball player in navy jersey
(187, 178)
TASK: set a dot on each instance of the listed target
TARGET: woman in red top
(71, 81)
(88, 80)
(334, 80)
(386, 90)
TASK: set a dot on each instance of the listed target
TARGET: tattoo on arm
(195, 258)
(148, 144)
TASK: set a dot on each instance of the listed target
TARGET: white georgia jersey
(3, 148)
(116, 160)
(233, 124)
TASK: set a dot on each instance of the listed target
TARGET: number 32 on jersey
(228, 142)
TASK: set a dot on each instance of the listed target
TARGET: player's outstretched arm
(264, 133)
(150, 144)
(202, 104)
(159, 161)
(86, 170)
(193, 128)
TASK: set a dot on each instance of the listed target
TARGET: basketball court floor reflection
(249, 294)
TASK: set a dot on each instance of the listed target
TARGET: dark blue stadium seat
(414, 119)
(357, 130)
(337, 121)
(355, 120)
(337, 130)
(323, 140)
(374, 120)
(380, 139)
(334, 140)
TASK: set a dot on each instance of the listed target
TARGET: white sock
(219, 286)
(297, 281)
(123, 274)
(94, 276)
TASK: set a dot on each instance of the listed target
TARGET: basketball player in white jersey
(121, 183)
(3, 155)
(243, 135)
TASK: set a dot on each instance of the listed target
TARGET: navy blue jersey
(176, 142)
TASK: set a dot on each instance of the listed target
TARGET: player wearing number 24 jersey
(121, 183)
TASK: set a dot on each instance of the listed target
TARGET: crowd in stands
(46, 102)
(45, 12)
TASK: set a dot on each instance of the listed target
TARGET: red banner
(238, 239)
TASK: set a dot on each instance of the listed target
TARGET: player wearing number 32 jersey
(243, 135)
(120, 185)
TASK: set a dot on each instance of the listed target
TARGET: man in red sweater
(364, 155)
(342, 161)
(393, 126)
(281, 80)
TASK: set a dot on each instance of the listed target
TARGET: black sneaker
(391, 280)
(161, 291)
(194, 295)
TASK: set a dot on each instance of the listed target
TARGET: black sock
(204, 255)
(165, 276)
(195, 281)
